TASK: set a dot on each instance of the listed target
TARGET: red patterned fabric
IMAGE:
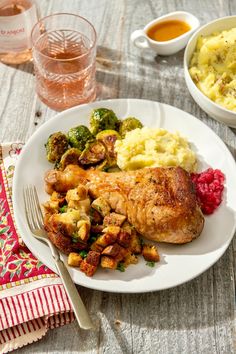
(32, 298)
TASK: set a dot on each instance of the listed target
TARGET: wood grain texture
(197, 317)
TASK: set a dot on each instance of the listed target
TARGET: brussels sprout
(56, 145)
(109, 137)
(93, 153)
(101, 119)
(112, 169)
(79, 136)
(103, 166)
(70, 157)
(129, 124)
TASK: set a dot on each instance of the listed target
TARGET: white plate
(179, 263)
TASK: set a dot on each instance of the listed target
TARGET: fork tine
(28, 207)
(38, 210)
(32, 207)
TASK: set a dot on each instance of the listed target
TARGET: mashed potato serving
(148, 147)
(213, 67)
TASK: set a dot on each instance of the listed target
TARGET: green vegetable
(63, 209)
(104, 134)
(109, 137)
(74, 238)
(83, 254)
(142, 242)
(150, 264)
(56, 145)
(102, 119)
(92, 239)
(93, 153)
(79, 136)
(121, 267)
(71, 156)
(129, 124)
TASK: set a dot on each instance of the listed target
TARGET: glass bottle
(17, 18)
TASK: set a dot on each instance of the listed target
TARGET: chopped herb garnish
(74, 239)
(141, 241)
(83, 253)
(150, 264)
(93, 239)
(57, 165)
(91, 211)
(121, 267)
(63, 209)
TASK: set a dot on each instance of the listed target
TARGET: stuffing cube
(108, 262)
(112, 230)
(122, 254)
(135, 243)
(127, 227)
(74, 259)
(58, 197)
(95, 247)
(84, 230)
(51, 207)
(106, 239)
(112, 250)
(101, 206)
(93, 258)
(65, 223)
(114, 219)
(97, 229)
(130, 258)
(124, 238)
(78, 193)
(96, 217)
(87, 268)
(150, 253)
(77, 198)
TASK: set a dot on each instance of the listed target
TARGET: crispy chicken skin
(159, 202)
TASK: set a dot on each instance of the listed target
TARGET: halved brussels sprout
(56, 145)
(102, 119)
(109, 137)
(79, 136)
(70, 157)
(129, 124)
(93, 153)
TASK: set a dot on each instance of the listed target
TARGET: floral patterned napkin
(32, 297)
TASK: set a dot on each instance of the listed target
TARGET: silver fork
(35, 221)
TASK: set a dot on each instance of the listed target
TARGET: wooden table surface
(197, 317)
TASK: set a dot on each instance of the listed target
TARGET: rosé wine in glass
(17, 18)
(64, 54)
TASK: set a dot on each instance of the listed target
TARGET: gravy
(167, 30)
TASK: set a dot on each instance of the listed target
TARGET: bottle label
(15, 31)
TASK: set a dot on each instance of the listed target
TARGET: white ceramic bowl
(214, 110)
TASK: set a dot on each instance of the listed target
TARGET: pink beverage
(64, 61)
(17, 18)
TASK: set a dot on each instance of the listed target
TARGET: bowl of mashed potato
(210, 69)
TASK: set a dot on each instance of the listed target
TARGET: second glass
(64, 55)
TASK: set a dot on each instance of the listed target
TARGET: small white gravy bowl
(141, 39)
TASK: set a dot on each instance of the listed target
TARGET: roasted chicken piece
(159, 202)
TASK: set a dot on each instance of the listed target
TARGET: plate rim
(92, 286)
